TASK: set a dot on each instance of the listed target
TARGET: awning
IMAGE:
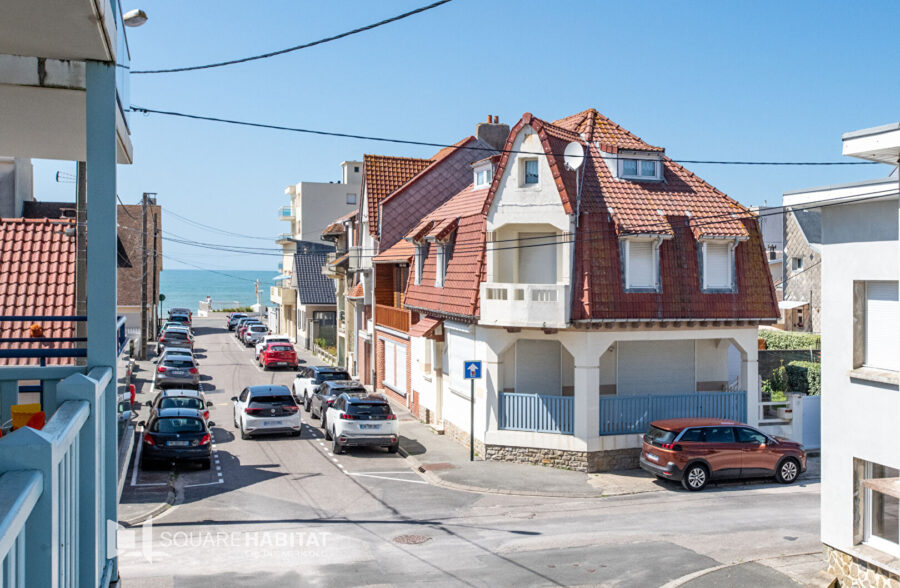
(282, 277)
(424, 327)
(789, 304)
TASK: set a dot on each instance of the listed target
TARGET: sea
(227, 288)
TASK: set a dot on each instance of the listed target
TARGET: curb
(140, 519)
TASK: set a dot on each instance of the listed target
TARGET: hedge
(781, 340)
(804, 377)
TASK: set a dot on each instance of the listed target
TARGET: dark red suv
(696, 451)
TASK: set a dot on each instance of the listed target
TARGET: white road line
(203, 484)
(382, 473)
(387, 478)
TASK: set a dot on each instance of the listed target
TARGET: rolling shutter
(882, 325)
(641, 269)
(717, 265)
(389, 369)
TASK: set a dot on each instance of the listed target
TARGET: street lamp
(134, 18)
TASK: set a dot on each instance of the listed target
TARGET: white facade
(315, 205)
(860, 353)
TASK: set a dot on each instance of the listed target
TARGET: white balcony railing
(525, 305)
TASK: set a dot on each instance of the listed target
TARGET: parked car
(278, 355)
(181, 310)
(176, 370)
(328, 392)
(233, 318)
(181, 398)
(361, 421)
(695, 451)
(176, 434)
(175, 337)
(184, 319)
(240, 323)
(242, 328)
(308, 380)
(174, 350)
(254, 334)
(168, 325)
(260, 345)
(266, 409)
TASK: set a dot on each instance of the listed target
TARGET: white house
(599, 298)
(860, 364)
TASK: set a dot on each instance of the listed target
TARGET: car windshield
(371, 409)
(281, 340)
(350, 391)
(331, 376)
(178, 425)
(272, 399)
(657, 436)
(176, 335)
(258, 329)
(181, 402)
(178, 363)
(281, 348)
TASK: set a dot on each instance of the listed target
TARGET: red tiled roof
(356, 291)
(37, 277)
(465, 270)
(400, 252)
(337, 227)
(382, 175)
(596, 127)
(424, 327)
(437, 159)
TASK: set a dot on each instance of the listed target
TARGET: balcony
(525, 305)
(280, 295)
(286, 213)
(358, 259)
(391, 317)
(284, 238)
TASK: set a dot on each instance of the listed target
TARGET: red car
(278, 355)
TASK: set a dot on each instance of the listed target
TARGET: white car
(270, 339)
(254, 334)
(310, 378)
(266, 409)
(362, 421)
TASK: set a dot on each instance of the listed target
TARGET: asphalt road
(284, 511)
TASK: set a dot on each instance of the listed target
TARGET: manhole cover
(411, 539)
(437, 466)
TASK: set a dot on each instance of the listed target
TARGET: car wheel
(393, 448)
(205, 464)
(327, 435)
(244, 434)
(695, 477)
(788, 471)
(336, 447)
(306, 405)
(312, 412)
(324, 423)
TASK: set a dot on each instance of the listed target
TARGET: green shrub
(805, 377)
(779, 340)
(237, 309)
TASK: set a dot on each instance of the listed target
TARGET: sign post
(472, 372)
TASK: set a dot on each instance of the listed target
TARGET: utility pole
(258, 305)
(155, 289)
(144, 333)
(81, 253)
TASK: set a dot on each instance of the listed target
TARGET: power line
(211, 228)
(296, 47)
(136, 108)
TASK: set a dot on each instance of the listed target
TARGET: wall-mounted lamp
(134, 18)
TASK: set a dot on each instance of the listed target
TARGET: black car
(328, 392)
(176, 434)
(233, 319)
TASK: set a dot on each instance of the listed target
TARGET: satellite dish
(573, 155)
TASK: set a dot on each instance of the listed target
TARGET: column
(587, 401)
(100, 139)
(750, 379)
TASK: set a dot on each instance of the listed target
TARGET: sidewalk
(446, 463)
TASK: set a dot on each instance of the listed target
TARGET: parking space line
(387, 478)
(254, 364)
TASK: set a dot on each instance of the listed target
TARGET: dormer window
(529, 171)
(444, 252)
(641, 258)
(483, 176)
(419, 262)
(718, 264)
(639, 168)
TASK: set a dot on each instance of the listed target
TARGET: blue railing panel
(541, 413)
(19, 492)
(621, 415)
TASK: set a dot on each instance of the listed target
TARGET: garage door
(655, 367)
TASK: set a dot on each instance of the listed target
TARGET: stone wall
(614, 459)
(853, 571)
(462, 437)
(556, 458)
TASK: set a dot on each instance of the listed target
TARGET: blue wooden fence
(537, 412)
(633, 414)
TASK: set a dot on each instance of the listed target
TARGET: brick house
(599, 298)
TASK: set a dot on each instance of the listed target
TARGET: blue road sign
(472, 370)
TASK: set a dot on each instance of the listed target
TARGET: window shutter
(882, 325)
(389, 362)
(717, 265)
(400, 369)
(641, 269)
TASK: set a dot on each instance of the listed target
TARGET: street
(283, 511)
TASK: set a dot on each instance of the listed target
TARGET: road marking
(387, 478)
(137, 465)
(382, 473)
(254, 364)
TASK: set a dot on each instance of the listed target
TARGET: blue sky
(706, 80)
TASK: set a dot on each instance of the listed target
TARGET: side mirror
(142, 423)
(209, 403)
(234, 398)
(211, 423)
(762, 445)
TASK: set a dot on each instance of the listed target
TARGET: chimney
(492, 132)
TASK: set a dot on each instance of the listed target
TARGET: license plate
(280, 363)
(177, 373)
(652, 457)
(271, 423)
(178, 443)
(370, 426)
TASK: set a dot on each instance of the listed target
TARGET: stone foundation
(614, 459)
(555, 458)
(462, 437)
(850, 570)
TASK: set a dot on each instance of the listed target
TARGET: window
(356, 169)
(640, 264)
(418, 263)
(395, 366)
(877, 486)
(692, 436)
(483, 176)
(719, 435)
(882, 322)
(796, 263)
(529, 172)
(745, 435)
(647, 169)
(444, 253)
(717, 266)
(351, 198)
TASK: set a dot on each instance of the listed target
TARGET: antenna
(573, 155)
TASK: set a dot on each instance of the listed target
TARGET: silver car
(176, 370)
(254, 334)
